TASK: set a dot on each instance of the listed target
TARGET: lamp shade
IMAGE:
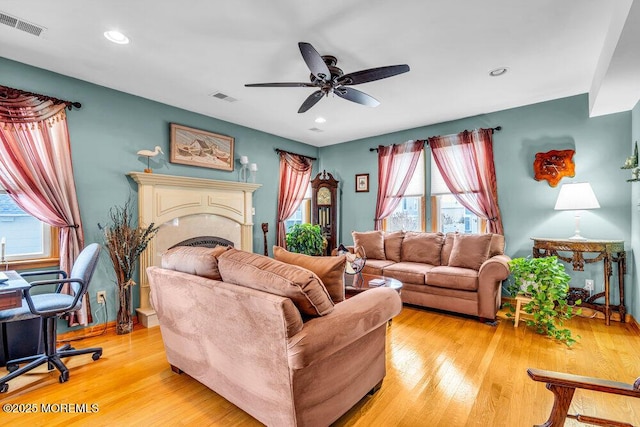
(576, 196)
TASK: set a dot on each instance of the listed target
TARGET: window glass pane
(454, 217)
(296, 218)
(25, 236)
(407, 216)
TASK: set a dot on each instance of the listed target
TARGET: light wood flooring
(442, 370)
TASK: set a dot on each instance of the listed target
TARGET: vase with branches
(125, 241)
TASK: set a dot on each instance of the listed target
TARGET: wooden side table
(607, 251)
(520, 301)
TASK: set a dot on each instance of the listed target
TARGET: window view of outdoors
(296, 218)
(407, 216)
(23, 233)
(455, 217)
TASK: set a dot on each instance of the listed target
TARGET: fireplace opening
(204, 241)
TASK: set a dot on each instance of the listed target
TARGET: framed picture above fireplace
(195, 147)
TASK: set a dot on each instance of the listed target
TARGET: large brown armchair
(255, 348)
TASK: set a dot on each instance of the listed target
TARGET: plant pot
(124, 319)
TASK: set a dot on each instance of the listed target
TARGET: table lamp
(576, 197)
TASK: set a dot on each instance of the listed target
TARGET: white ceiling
(183, 51)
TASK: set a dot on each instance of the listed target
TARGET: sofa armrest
(350, 320)
(495, 269)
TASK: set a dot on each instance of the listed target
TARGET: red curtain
(465, 161)
(295, 174)
(36, 170)
(396, 164)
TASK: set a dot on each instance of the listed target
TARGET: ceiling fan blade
(310, 101)
(355, 95)
(372, 74)
(314, 61)
(280, 85)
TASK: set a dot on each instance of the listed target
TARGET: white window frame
(49, 256)
(415, 189)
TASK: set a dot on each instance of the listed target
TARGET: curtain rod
(296, 154)
(9, 93)
(495, 129)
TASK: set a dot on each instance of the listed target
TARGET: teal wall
(633, 261)
(601, 145)
(112, 126)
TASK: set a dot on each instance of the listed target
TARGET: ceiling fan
(330, 79)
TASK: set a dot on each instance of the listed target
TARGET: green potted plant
(546, 283)
(305, 239)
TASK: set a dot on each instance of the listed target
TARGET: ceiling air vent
(20, 24)
(316, 130)
(222, 96)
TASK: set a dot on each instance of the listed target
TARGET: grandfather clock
(324, 207)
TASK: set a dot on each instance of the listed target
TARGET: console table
(607, 251)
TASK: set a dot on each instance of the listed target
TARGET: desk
(11, 290)
(607, 251)
(20, 338)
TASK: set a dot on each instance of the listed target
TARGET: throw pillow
(393, 245)
(196, 260)
(371, 241)
(330, 269)
(422, 247)
(264, 274)
(470, 250)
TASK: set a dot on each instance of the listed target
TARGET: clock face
(324, 196)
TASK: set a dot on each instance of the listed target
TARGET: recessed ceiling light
(116, 37)
(320, 120)
(498, 71)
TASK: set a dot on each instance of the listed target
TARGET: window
(30, 243)
(302, 215)
(448, 215)
(409, 215)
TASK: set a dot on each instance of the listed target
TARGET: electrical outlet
(588, 285)
(101, 296)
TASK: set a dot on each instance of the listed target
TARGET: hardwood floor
(442, 370)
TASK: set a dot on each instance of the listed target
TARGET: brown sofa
(267, 336)
(455, 272)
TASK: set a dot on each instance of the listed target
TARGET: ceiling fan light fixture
(117, 37)
(320, 120)
(497, 72)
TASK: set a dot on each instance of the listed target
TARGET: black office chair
(50, 306)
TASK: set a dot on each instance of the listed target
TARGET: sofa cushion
(464, 279)
(376, 266)
(259, 272)
(422, 247)
(408, 272)
(330, 269)
(446, 248)
(393, 245)
(199, 261)
(371, 241)
(470, 250)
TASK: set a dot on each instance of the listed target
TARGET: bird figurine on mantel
(149, 154)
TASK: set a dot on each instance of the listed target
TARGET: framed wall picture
(195, 147)
(362, 183)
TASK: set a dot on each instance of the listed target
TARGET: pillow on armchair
(330, 269)
(197, 260)
(265, 274)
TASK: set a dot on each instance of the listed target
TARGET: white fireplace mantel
(165, 198)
